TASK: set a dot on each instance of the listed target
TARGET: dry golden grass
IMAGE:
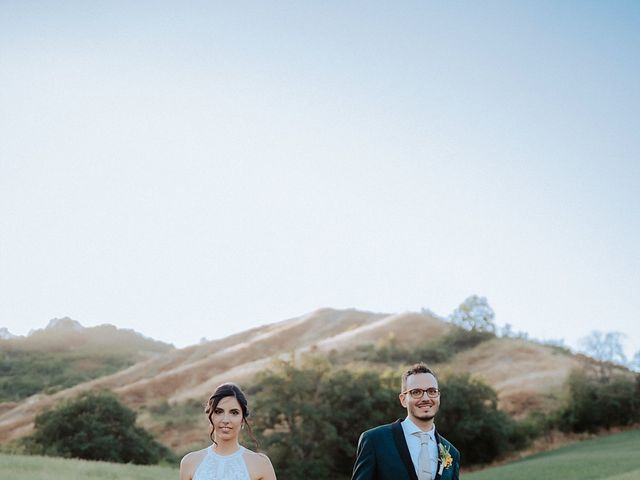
(526, 375)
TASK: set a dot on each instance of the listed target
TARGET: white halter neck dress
(222, 467)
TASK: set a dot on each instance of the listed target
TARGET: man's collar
(410, 428)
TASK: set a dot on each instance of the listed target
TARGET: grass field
(616, 457)
(18, 467)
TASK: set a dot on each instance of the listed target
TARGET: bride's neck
(226, 448)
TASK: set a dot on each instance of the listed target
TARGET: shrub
(593, 404)
(438, 350)
(94, 426)
(470, 419)
(310, 416)
(459, 339)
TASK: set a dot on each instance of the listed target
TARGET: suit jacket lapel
(403, 450)
(439, 461)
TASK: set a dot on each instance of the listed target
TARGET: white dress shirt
(413, 442)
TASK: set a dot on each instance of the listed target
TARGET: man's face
(421, 409)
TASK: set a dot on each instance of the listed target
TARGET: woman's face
(227, 419)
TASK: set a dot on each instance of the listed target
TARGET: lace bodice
(222, 467)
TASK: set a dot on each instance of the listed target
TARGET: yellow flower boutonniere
(445, 458)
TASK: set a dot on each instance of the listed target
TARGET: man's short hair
(413, 370)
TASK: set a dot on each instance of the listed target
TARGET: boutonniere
(445, 458)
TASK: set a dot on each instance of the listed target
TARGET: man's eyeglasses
(419, 392)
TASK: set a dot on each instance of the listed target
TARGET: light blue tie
(424, 460)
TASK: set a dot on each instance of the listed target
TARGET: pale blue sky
(192, 169)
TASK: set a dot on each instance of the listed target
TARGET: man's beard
(420, 415)
(426, 416)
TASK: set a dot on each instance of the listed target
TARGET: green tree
(474, 314)
(591, 404)
(94, 426)
(311, 416)
(355, 403)
(470, 419)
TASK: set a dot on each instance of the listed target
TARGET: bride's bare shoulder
(194, 456)
(190, 462)
(259, 466)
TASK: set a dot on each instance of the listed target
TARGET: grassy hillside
(24, 373)
(60, 357)
(607, 458)
(18, 467)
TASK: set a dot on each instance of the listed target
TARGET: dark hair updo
(223, 391)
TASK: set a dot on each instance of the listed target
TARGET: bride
(226, 459)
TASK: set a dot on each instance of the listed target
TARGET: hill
(613, 457)
(66, 334)
(65, 354)
(169, 389)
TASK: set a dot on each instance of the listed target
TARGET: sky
(193, 169)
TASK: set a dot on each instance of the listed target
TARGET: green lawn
(18, 467)
(616, 457)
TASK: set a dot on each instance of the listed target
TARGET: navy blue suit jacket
(383, 455)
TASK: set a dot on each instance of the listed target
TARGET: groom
(410, 449)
